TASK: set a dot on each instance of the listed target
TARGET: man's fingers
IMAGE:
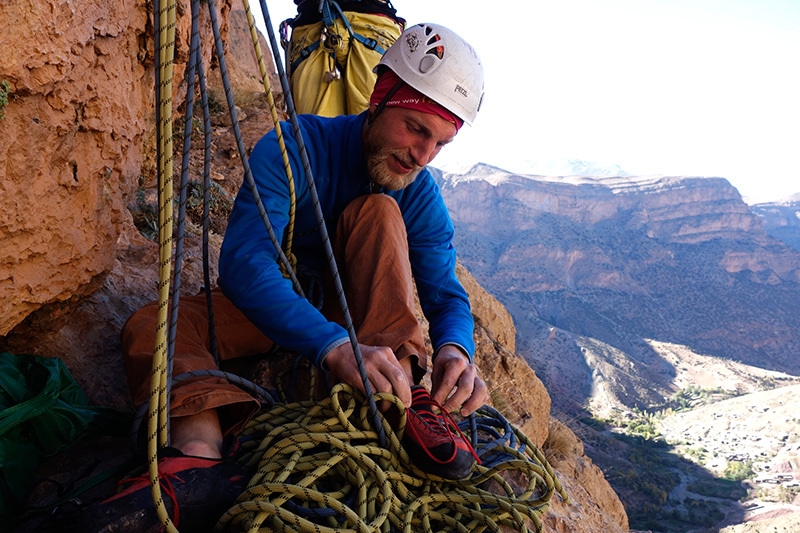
(398, 381)
(386, 373)
(456, 384)
(383, 370)
(459, 396)
(443, 384)
(465, 390)
(480, 395)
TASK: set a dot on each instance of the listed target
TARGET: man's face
(400, 141)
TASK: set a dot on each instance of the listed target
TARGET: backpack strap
(304, 53)
(330, 10)
(310, 11)
(370, 43)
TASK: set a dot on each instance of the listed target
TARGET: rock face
(585, 484)
(78, 186)
(75, 131)
(73, 146)
(679, 260)
(781, 220)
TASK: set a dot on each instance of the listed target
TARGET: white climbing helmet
(441, 65)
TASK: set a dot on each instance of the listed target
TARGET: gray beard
(377, 156)
(381, 175)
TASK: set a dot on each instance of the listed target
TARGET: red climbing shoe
(196, 492)
(433, 441)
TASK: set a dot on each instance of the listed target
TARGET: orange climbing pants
(372, 251)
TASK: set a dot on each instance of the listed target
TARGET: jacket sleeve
(249, 273)
(433, 261)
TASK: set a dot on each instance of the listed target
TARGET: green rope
(319, 468)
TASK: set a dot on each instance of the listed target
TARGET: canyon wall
(680, 260)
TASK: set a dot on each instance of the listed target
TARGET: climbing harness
(333, 465)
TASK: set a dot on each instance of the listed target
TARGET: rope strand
(164, 19)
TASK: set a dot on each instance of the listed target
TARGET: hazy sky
(680, 87)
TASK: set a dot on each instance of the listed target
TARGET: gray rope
(243, 153)
(212, 330)
(322, 227)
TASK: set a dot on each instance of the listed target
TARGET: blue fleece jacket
(249, 272)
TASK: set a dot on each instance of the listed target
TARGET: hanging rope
(321, 469)
(158, 405)
(212, 330)
(289, 234)
(324, 236)
(157, 433)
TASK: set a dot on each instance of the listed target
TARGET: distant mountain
(781, 220)
(601, 273)
(569, 167)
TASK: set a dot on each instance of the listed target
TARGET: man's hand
(456, 380)
(383, 370)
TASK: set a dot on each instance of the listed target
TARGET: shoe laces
(165, 481)
(441, 424)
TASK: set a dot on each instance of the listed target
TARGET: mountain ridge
(642, 260)
(781, 219)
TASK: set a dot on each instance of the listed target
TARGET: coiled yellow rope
(320, 469)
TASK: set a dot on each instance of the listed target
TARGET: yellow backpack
(333, 49)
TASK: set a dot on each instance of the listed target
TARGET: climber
(391, 234)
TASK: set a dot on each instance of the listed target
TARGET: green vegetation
(639, 423)
(776, 494)
(216, 103)
(694, 513)
(145, 214)
(643, 425)
(739, 471)
(179, 125)
(645, 470)
(788, 494)
(220, 205)
(5, 89)
(639, 468)
(692, 397)
(697, 454)
(774, 382)
(718, 488)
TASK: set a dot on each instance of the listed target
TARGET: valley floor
(755, 438)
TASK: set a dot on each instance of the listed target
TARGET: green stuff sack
(42, 412)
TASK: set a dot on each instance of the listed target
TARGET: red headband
(409, 98)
